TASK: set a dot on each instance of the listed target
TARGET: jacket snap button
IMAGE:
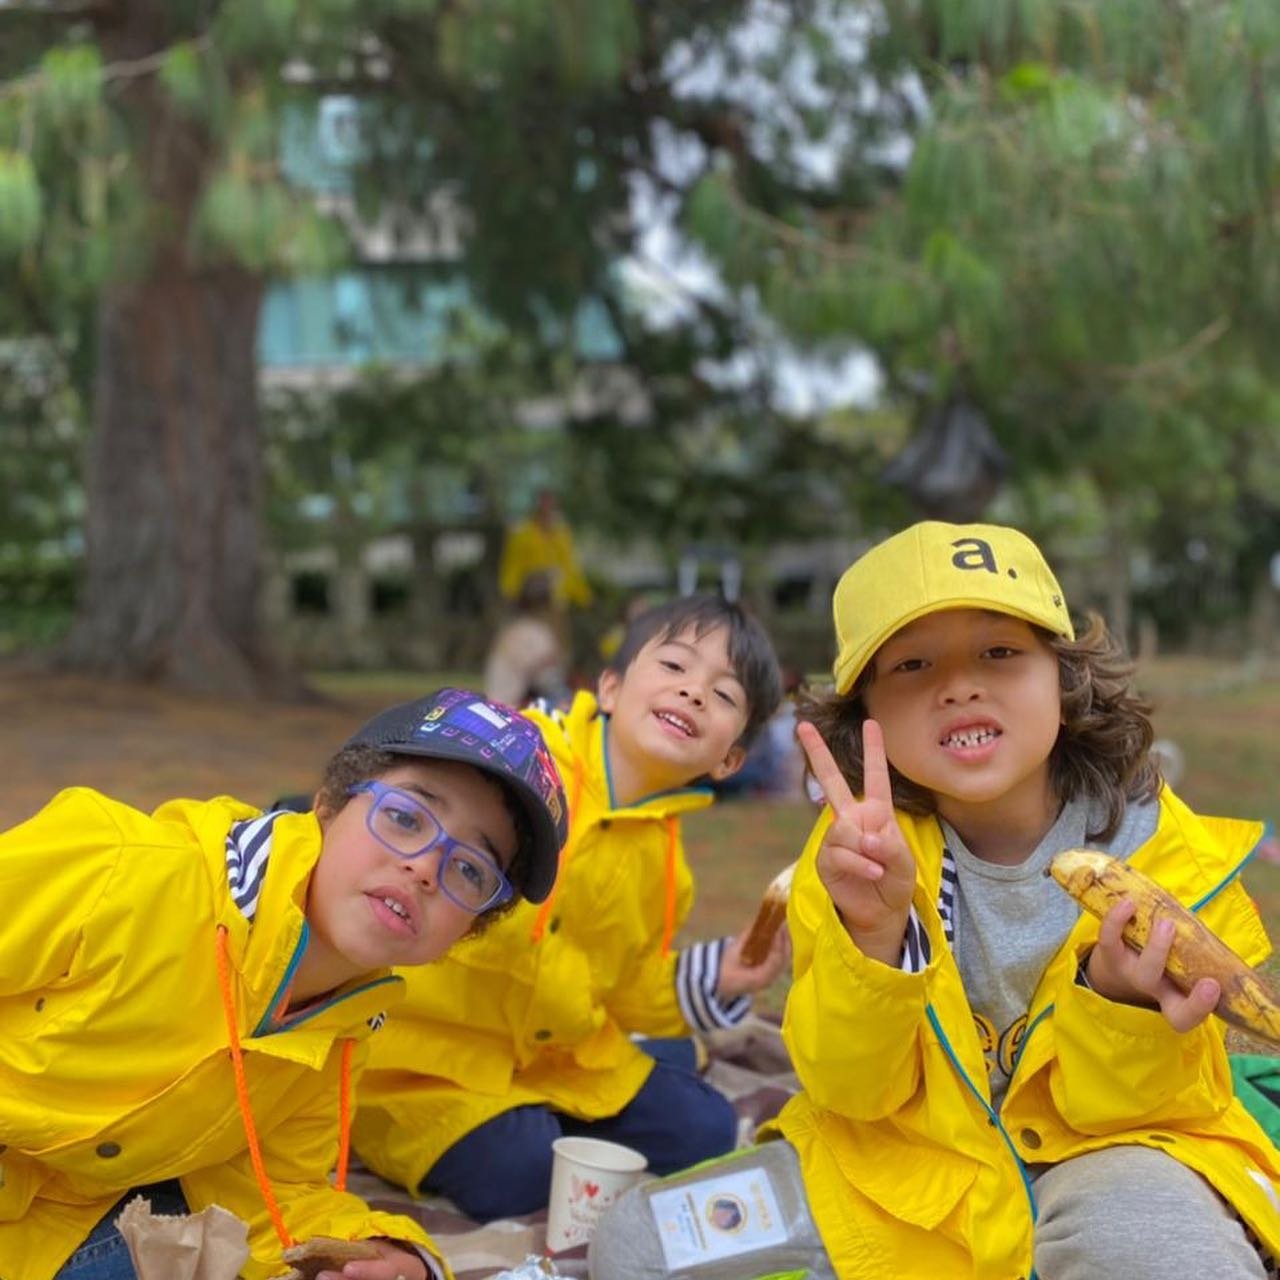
(40, 1004)
(542, 1034)
(108, 1150)
(605, 824)
(1030, 1138)
(554, 925)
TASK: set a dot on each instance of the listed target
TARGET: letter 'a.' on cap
(934, 566)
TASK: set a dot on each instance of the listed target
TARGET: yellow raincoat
(114, 1065)
(532, 547)
(537, 1008)
(908, 1171)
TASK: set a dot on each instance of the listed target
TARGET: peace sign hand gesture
(864, 860)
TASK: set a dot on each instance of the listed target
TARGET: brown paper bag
(210, 1245)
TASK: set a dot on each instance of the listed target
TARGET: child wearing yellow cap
(995, 1085)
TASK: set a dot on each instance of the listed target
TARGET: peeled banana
(769, 918)
(1098, 881)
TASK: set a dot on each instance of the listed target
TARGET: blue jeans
(676, 1120)
(104, 1254)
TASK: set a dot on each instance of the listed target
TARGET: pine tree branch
(1162, 363)
(831, 250)
(130, 69)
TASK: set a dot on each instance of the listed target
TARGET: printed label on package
(718, 1217)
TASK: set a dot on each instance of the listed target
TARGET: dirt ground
(145, 745)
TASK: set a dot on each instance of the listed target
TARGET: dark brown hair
(354, 765)
(1103, 747)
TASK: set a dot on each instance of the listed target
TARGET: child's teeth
(396, 907)
(971, 738)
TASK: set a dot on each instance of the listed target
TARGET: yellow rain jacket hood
(908, 1171)
(114, 1065)
(537, 1009)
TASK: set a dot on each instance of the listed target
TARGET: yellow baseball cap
(934, 566)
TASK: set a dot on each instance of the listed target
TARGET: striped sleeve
(915, 945)
(947, 895)
(697, 976)
(916, 949)
(248, 852)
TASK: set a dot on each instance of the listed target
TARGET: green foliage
(1065, 209)
(585, 43)
(42, 433)
(1084, 239)
(452, 458)
(20, 203)
(70, 80)
(264, 227)
(195, 81)
(252, 29)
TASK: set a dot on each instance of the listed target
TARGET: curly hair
(1103, 750)
(354, 765)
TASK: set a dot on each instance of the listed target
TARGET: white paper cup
(587, 1176)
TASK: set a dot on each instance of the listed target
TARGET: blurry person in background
(543, 543)
(526, 661)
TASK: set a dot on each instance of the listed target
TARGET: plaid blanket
(747, 1063)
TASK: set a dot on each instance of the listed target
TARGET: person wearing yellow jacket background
(543, 543)
(524, 1032)
(179, 987)
(993, 1086)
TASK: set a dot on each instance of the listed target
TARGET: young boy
(181, 992)
(995, 1085)
(525, 1033)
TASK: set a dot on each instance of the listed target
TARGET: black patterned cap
(457, 724)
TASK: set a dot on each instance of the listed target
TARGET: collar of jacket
(264, 955)
(587, 727)
(1195, 858)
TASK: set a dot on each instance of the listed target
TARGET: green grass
(389, 684)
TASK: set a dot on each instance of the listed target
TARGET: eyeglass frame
(442, 841)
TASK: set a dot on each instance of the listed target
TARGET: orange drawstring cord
(575, 795)
(669, 914)
(344, 1116)
(242, 1094)
(246, 1110)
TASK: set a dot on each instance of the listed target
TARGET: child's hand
(737, 979)
(864, 860)
(396, 1263)
(1118, 972)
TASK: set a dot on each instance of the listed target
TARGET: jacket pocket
(908, 1180)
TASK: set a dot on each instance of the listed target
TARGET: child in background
(525, 1033)
(526, 660)
(995, 1085)
(186, 994)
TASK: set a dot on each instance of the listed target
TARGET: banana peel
(1098, 882)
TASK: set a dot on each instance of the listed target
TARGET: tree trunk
(174, 485)
(175, 469)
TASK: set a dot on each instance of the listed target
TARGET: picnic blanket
(747, 1063)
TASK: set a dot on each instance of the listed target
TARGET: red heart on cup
(590, 1188)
